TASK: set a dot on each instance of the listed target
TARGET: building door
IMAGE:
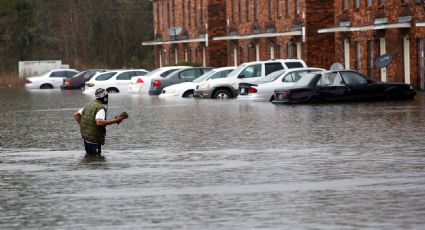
(421, 61)
(347, 53)
(382, 51)
(406, 59)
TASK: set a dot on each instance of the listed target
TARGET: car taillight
(139, 81)
(286, 94)
(28, 81)
(67, 82)
(157, 83)
(252, 90)
(90, 84)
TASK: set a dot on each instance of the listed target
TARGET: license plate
(243, 91)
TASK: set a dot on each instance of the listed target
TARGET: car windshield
(305, 80)
(154, 71)
(204, 77)
(237, 70)
(273, 76)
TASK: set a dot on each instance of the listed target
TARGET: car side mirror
(241, 76)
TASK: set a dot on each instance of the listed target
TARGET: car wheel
(112, 90)
(391, 96)
(82, 87)
(222, 94)
(272, 99)
(46, 86)
(188, 94)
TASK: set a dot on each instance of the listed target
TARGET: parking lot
(225, 164)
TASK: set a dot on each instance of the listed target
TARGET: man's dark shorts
(93, 150)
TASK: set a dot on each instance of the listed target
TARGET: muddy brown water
(208, 164)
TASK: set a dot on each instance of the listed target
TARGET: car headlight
(204, 86)
(410, 87)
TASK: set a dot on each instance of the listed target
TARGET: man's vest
(89, 130)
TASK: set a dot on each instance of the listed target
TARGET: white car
(263, 90)
(141, 84)
(186, 89)
(247, 72)
(114, 81)
(52, 79)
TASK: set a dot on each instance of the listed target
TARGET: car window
(166, 73)
(352, 78)
(58, 74)
(295, 76)
(139, 73)
(125, 75)
(206, 70)
(330, 79)
(70, 74)
(272, 67)
(88, 75)
(294, 64)
(190, 74)
(306, 80)
(251, 71)
(105, 76)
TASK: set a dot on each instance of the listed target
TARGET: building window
(271, 9)
(369, 2)
(195, 11)
(370, 57)
(288, 7)
(358, 56)
(248, 10)
(189, 18)
(279, 8)
(168, 14)
(344, 4)
(356, 4)
(297, 7)
(240, 11)
(256, 10)
(201, 12)
(381, 2)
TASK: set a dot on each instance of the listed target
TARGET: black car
(341, 85)
(178, 76)
(78, 81)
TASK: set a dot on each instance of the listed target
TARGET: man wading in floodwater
(92, 121)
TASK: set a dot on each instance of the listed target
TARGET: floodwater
(212, 164)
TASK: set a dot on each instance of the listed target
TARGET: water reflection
(196, 164)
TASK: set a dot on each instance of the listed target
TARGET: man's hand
(119, 119)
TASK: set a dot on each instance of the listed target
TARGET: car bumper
(155, 92)
(68, 87)
(32, 86)
(252, 98)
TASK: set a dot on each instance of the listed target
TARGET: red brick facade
(321, 32)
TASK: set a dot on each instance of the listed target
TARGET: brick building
(321, 32)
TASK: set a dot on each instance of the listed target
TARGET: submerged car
(178, 76)
(263, 90)
(341, 85)
(187, 89)
(248, 72)
(114, 81)
(141, 84)
(79, 80)
(50, 80)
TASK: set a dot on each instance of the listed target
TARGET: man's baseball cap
(100, 93)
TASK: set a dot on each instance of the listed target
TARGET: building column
(382, 51)
(235, 56)
(160, 58)
(421, 66)
(406, 59)
(204, 57)
(298, 44)
(257, 52)
(271, 52)
(346, 53)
